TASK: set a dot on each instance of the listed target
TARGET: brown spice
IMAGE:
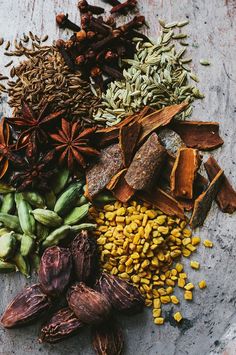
(147, 164)
(100, 173)
(120, 188)
(226, 197)
(159, 119)
(164, 202)
(184, 172)
(128, 139)
(203, 203)
(199, 135)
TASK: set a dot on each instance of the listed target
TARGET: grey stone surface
(210, 320)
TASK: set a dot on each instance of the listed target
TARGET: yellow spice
(207, 243)
(178, 316)
(202, 284)
(195, 265)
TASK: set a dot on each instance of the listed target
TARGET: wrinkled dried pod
(60, 326)
(85, 257)
(107, 339)
(55, 270)
(123, 296)
(27, 306)
(89, 306)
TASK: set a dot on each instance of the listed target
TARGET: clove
(137, 22)
(114, 73)
(112, 2)
(129, 4)
(60, 44)
(84, 7)
(63, 22)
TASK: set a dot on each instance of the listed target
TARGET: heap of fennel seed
(157, 76)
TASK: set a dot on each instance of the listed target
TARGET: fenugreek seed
(178, 316)
(207, 243)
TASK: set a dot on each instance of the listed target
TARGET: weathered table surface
(210, 324)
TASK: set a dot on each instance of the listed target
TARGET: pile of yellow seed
(140, 244)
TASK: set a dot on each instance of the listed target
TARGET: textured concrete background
(210, 321)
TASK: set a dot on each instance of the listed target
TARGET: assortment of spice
(100, 212)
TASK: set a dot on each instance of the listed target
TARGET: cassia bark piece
(226, 197)
(128, 139)
(147, 164)
(101, 172)
(164, 202)
(158, 119)
(115, 179)
(198, 134)
(121, 190)
(203, 203)
(105, 136)
(184, 172)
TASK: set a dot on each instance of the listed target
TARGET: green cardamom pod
(81, 201)
(50, 198)
(5, 266)
(10, 221)
(5, 189)
(8, 204)
(47, 217)
(79, 227)
(27, 221)
(34, 199)
(22, 264)
(41, 231)
(68, 198)
(7, 245)
(77, 214)
(56, 236)
(60, 180)
(27, 245)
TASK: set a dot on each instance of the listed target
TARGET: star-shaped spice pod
(73, 144)
(30, 123)
(35, 169)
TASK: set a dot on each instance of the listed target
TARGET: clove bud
(107, 339)
(123, 296)
(85, 257)
(89, 306)
(27, 306)
(55, 270)
(61, 325)
(84, 7)
(129, 4)
(63, 22)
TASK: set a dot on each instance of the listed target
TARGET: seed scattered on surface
(207, 243)
(194, 265)
(202, 284)
(178, 317)
(8, 64)
(204, 62)
(1, 41)
(7, 45)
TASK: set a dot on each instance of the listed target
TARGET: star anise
(31, 123)
(35, 170)
(5, 147)
(73, 144)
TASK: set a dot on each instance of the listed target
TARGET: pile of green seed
(158, 76)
